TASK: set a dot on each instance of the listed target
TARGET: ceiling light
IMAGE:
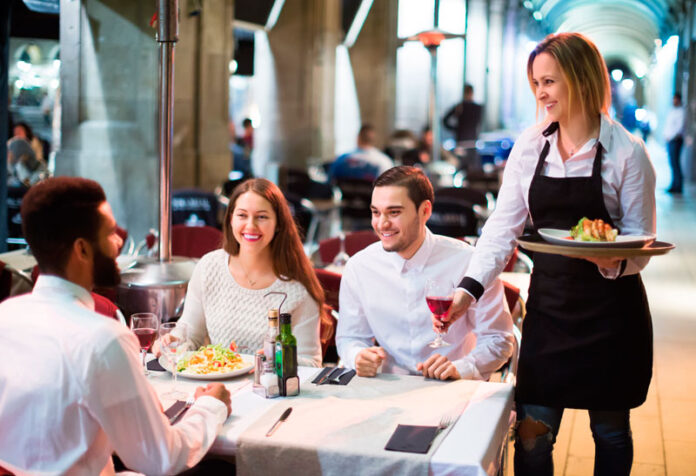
(616, 74)
(537, 15)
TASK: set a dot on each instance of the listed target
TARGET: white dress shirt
(674, 123)
(628, 185)
(382, 296)
(72, 391)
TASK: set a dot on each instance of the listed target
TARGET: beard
(105, 270)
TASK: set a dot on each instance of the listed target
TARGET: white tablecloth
(471, 447)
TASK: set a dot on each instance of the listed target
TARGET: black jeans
(611, 431)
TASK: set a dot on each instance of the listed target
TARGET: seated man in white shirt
(382, 295)
(72, 387)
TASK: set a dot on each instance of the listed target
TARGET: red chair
(355, 241)
(331, 283)
(195, 241)
(515, 303)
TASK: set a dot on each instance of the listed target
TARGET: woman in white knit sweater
(262, 252)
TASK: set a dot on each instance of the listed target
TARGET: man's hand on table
(438, 367)
(460, 304)
(216, 390)
(368, 361)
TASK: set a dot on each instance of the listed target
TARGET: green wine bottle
(286, 359)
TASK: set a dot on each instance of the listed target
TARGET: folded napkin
(176, 411)
(412, 439)
(334, 376)
(155, 365)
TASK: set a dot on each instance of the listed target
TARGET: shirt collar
(418, 261)
(605, 131)
(50, 284)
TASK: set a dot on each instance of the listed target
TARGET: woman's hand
(608, 262)
(460, 304)
(157, 346)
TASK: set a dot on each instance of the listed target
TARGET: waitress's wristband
(471, 286)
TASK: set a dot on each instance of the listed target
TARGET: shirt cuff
(211, 405)
(472, 287)
(467, 369)
(613, 273)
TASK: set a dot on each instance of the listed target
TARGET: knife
(327, 375)
(337, 378)
(280, 420)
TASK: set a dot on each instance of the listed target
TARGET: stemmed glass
(439, 295)
(172, 338)
(144, 326)
(341, 257)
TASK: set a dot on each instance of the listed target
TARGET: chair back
(331, 283)
(299, 182)
(356, 198)
(305, 216)
(195, 241)
(105, 307)
(453, 218)
(196, 207)
(15, 193)
(354, 242)
(5, 281)
(464, 194)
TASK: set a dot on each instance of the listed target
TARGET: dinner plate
(248, 367)
(538, 244)
(562, 237)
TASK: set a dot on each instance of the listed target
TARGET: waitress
(587, 336)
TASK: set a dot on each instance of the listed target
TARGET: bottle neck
(285, 329)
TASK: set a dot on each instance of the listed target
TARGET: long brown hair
(583, 68)
(287, 253)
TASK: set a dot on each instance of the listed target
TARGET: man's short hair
(246, 122)
(413, 179)
(468, 89)
(367, 134)
(678, 96)
(55, 213)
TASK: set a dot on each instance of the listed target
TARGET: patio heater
(431, 39)
(159, 284)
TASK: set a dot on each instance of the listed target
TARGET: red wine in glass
(144, 325)
(439, 295)
(146, 337)
(439, 305)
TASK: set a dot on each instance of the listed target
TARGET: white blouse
(219, 310)
(628, 185)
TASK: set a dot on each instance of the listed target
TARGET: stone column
(201, 95)
(373, 57)
(109, 104)
(303, 49)
(494, 67)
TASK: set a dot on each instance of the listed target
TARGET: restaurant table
(21, 260)
(470, 447)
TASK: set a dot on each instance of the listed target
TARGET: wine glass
(144, 325)
(341, 257)
(439, 295)
(172, 338)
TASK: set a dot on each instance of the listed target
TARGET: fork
(189, 402)
(446, 420)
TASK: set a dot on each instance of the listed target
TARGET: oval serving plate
(248, 360)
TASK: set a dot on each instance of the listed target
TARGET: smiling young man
(382, 294)
(72, 387)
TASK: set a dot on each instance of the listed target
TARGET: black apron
(586, 340)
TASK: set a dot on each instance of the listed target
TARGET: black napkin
(155, 365)
(412, 439)
(175, 411)
(334, 375)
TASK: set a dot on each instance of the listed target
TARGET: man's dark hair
(246, 122)
(55, 213)
(365, 135)
(468, 89)
(678, 96)
(413, 179)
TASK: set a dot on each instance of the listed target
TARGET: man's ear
(426, 209)
(82, 250)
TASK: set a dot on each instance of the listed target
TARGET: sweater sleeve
(305, 328)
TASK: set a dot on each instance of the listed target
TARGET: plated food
(563, 238)
(593, 230)
(211, 362)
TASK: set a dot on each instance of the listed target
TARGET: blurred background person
(464, 119)
(22, 165)
(674, 135)
(365, 162)
(22, 130)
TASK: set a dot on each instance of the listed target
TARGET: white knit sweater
(219, 310)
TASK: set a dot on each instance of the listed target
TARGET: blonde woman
(587, 337)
